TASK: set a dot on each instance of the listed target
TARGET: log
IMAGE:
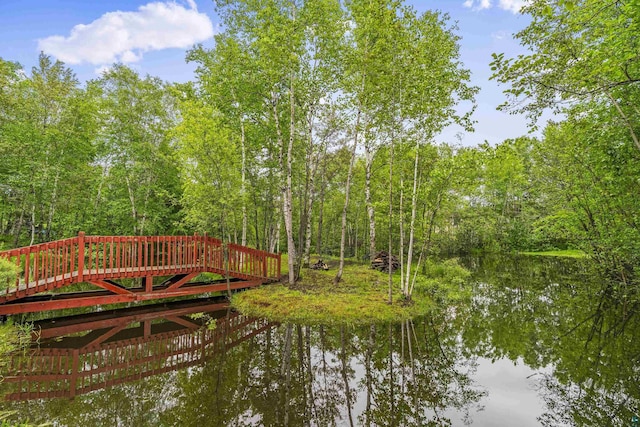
(384, 262)
(320, 265)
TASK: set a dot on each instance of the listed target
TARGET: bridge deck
(100, 260)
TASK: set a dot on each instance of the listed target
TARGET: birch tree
(134, 150)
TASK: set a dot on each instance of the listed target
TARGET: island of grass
(567, 253)
(362, 297)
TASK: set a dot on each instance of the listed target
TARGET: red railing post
(18, 262)
(27, 265)
(206, 252)
(265, 263)
(80, 256)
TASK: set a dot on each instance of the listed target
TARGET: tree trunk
(368, 374)
(626, 120)
(390, 299)
(346, 199)
(147, 194)
(314, 160)
(286, 190)
(405, 286)
(345, 377)
(401, 247)
(288, 196)
(33, 221)
(132, 200)
(17, 229)
(52, 207)
(320, 214)
(368, 202)
(243, 185)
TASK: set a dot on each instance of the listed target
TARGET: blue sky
(152, 37)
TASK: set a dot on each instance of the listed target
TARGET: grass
(4, 422)
(360, 298)
(567, 253)
(13, 337)
(8, 273)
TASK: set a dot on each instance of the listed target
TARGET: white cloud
(102, 70)
(512, 6)
(499, 35)
(125, 36)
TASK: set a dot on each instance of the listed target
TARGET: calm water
(536, 343)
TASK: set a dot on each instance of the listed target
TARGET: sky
(152, 37)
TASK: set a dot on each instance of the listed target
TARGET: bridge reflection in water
(79, 354)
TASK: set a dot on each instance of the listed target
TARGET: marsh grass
(360, 298)
(5, 422)
(567, 253)
(13, 337)
(8, 273)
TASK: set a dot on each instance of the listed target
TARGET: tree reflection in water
(302, 375)
(555, 313)
(576, 333)
(292, 375)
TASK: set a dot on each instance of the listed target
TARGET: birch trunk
(286, 190)
(243, 185)
(346, 199)
(147, 194)
(345, 377)
(52, 207)
(33, 221)
(367, 196)
(390, 300)
(17, 228)
(313, 168)
(288, 197)
(320, 215)
(132, 200)
(405, 286)
(401, 248)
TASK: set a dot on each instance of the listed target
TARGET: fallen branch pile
(383, 261)
(320, 265)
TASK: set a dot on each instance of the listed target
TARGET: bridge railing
(67, 372)
(41, 262)
(84, 258)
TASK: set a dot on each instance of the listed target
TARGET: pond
(536, 343)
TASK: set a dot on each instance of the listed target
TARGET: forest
(311, 127)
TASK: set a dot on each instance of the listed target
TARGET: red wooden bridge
(79, 354)
(165, 267)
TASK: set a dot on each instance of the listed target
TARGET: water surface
(538, 342)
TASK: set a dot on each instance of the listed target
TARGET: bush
(443, 281)
(8, 273)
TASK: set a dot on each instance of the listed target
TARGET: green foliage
(49, 117)
(578, 50)
(8, 273)
(445, 282)
(139, 185)
(585, 53)
(13, 337)
(6, 423)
